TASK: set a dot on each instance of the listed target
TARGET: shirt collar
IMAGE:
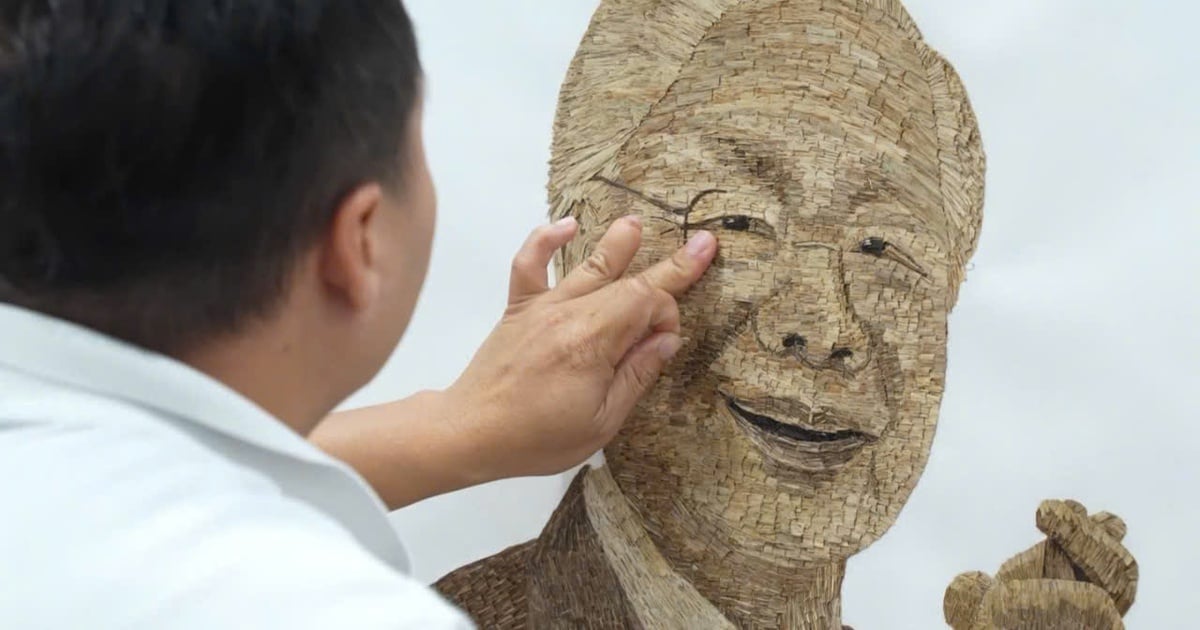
(660, 597)
(57, 351)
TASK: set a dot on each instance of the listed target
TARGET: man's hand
(1080, 577)
(550, 386)
(565, 367)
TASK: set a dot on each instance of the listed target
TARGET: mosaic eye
(737, 224)
(874, 246)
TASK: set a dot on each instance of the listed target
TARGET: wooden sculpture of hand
(1082, 576)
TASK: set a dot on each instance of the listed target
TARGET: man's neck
(267, 367)
(691, 587)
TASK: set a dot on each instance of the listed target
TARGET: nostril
(794, 341)
(842, 354)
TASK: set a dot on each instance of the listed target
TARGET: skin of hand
(565, 366)
(550, 386)
(1081, 576)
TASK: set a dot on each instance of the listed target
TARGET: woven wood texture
(837, 158)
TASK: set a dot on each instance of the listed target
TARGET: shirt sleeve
(285, 568)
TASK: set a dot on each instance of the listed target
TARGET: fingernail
(701, 244)
(669, 347)
(565, 222)
(635, 220)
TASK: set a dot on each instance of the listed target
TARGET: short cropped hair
(163, 163)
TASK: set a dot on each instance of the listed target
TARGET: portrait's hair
(636, 49)
(164, 162)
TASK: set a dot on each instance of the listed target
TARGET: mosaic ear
(963, 161)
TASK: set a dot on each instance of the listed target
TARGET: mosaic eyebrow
(680, 211)
(881, 248)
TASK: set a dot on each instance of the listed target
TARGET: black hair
(163, 163)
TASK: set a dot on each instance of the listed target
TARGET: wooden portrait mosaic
(838, 160)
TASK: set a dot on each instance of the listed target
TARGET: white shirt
(136, 492)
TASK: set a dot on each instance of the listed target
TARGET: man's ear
(350, 252)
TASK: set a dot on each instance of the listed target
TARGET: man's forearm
(409, 450)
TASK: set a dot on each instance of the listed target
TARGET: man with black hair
(215, 221)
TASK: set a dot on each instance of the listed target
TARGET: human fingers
(626, 312)
(678, 273)
(607, 262)
(529, 277)
(635, 376)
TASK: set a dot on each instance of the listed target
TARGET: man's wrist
(428, 444)
(469, 436)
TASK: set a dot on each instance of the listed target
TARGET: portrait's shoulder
(493, 591)
(507, 572)
(560, 579)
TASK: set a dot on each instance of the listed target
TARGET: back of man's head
(163, 163)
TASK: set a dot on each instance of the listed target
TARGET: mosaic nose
(809, 318)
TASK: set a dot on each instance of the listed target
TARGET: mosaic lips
(792, 434)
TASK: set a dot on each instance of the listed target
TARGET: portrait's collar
(660, 597)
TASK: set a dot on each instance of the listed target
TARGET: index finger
(607, 262)
(683, 269)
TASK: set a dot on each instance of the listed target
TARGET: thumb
(635, 375)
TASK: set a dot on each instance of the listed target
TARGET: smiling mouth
(791, 431)
(801, 447)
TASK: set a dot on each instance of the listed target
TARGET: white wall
(1074, 349)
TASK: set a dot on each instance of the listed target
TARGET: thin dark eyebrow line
(682, 211)
(906, 260)
(662, 205)
(702, 194)
(676, 210)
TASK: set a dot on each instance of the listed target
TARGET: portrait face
(801, 411)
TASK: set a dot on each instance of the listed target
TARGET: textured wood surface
(1081, 576)
(837, 158)
(561, 580)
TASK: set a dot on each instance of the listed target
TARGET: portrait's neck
(672, 581)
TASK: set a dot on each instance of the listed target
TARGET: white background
(1075, 347)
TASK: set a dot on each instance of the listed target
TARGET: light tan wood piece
(1081, 576)
(837, 158)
